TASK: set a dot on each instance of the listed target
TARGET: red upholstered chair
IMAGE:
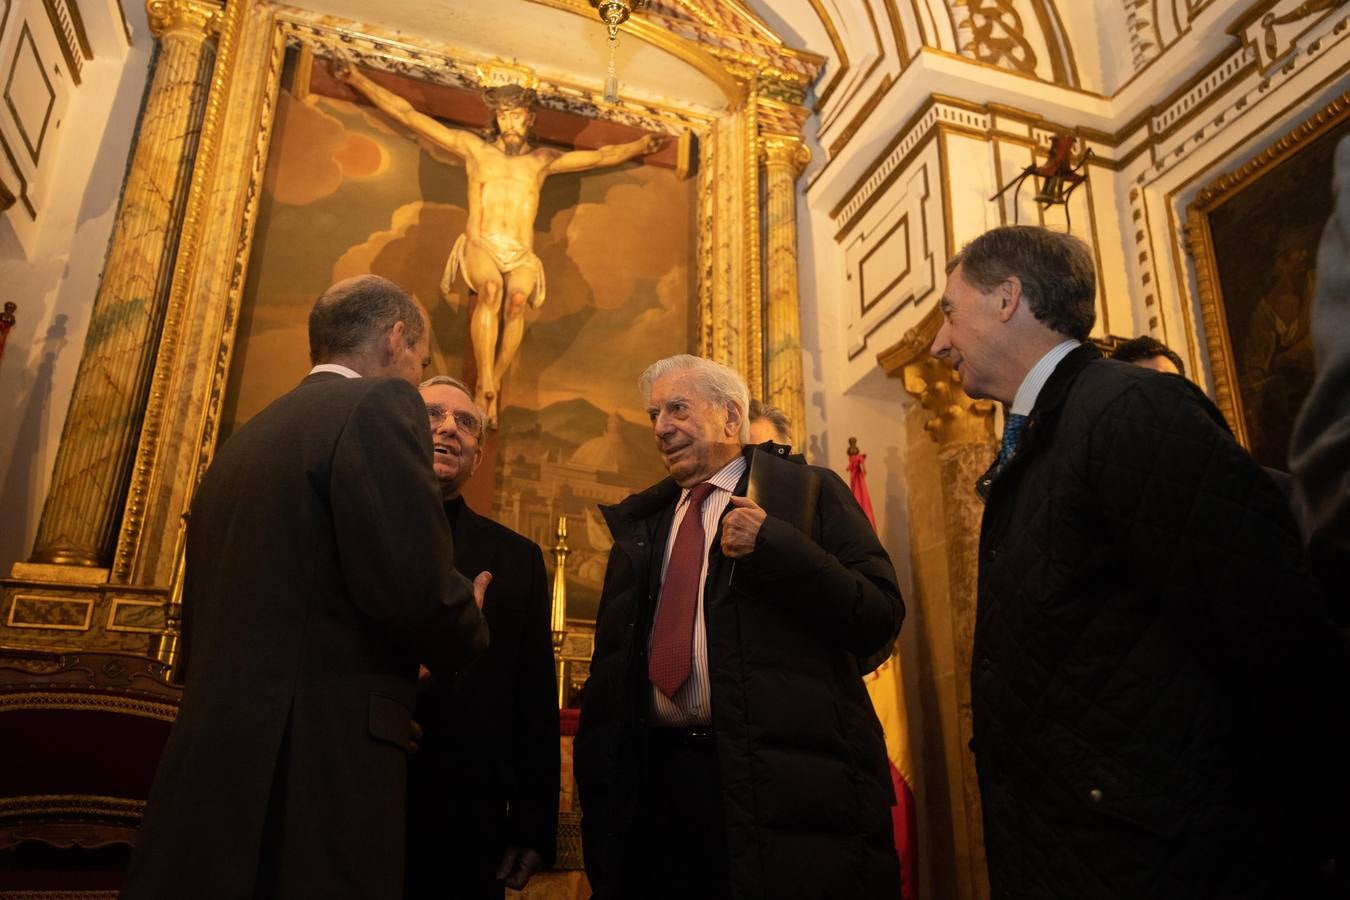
(80, 737)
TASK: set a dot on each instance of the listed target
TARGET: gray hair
(1056, 271)
(459, 386)
(720, 384)
(356, 311)
(775, 417)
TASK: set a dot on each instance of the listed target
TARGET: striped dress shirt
(691, 707)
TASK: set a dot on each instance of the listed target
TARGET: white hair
(719, 384)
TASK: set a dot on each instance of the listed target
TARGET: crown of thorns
(509, 96)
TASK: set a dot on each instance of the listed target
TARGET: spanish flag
(888, 697)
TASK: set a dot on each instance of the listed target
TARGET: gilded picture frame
(1252, 234)
(192, 367)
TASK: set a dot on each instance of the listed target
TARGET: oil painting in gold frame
(1253, 234)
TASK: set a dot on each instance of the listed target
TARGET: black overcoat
(486, 774)
(318, 573)
(1148, 647)
(800, 752)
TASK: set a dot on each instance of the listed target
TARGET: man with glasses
(483, 788)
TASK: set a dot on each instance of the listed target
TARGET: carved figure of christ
(495, 254)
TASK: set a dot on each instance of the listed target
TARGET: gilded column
(79, 522)
(784, 158)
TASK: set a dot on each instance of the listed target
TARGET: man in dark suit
(483, 787)
(727, 745)
(318, 573)
(1148, 642)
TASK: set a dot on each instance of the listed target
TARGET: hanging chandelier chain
(614, 13)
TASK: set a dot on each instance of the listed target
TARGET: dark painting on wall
(347, 191)
(1264, 223)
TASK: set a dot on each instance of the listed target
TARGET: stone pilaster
(784, 157)
(964, 431)
(79, 522)
(946, 570)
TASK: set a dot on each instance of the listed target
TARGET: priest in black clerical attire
(483, 788)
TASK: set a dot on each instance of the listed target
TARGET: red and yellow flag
(887, 691)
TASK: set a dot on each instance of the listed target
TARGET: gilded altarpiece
(715, 275)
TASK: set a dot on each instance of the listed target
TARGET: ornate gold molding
(145, 468)
(89, 702)
(954, 417)
(200, 18)
(71, 804)
(193, 365)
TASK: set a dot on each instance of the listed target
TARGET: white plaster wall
(849, 397)
(844, 400)
(54, 284)
(1254, 118)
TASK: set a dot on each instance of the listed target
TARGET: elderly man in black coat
(319, 571)
(483, 787)
(727, 746)
(1148, 639)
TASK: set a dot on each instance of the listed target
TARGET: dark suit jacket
(318, 573)
(486, 774)
(801, 758)
(1150, 662)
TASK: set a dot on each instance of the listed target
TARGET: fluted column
(79, 522)
(784, 158)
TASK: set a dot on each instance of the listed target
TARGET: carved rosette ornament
(79, 522)
(992, 32)
(784, 157)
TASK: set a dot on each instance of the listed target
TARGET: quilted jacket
(800, 752)
(1146, 647)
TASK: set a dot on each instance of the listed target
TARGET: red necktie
(672, 653)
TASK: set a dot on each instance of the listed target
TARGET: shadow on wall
(29, 413)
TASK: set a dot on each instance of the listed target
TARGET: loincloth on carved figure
(506, 253)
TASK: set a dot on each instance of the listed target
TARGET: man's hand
(480, 585)
(654, 142)
(740, 528)
(416, 735)
(518, 864)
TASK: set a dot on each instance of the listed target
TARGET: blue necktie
(1013, 424)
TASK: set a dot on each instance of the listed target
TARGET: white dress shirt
(334, 367)
(691, 707)
(1040, 373)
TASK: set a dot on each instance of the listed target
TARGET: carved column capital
(955, 418)
(200, 18)
(784, 150)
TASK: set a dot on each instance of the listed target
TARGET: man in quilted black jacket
(1148, 642)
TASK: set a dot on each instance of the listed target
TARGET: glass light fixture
(614, 13)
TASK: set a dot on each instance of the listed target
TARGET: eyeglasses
(464, 421)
